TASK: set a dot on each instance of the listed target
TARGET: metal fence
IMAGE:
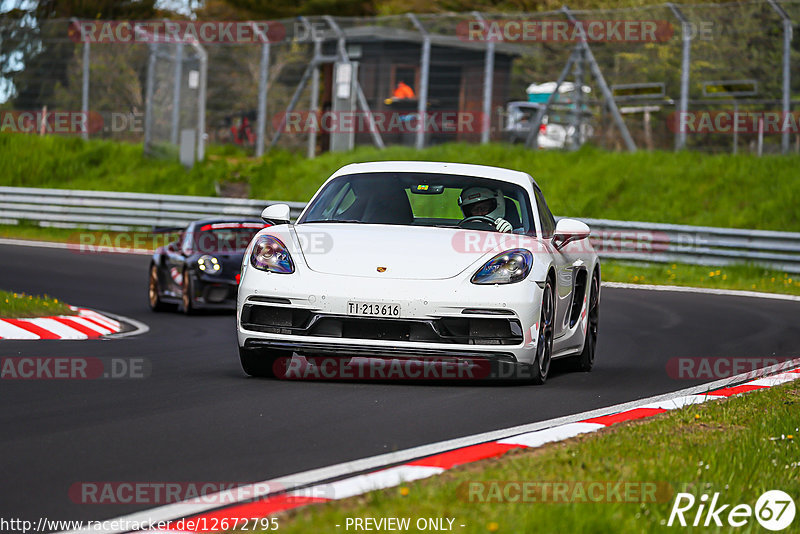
(707, 64)
(634, 241)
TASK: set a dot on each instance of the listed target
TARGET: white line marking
(139, 327)
(386, 478)
(680, 402)
(540, 437)
(31, 243)
(71, 246)
(705, 290)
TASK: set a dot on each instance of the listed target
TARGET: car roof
(437, 167)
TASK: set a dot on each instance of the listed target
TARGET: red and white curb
(263, 499)
(86, 324)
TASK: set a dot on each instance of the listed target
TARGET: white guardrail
(623, 240)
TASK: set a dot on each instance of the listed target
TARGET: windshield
(415, 199)
(226, 236)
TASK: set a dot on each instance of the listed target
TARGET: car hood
(405, 252)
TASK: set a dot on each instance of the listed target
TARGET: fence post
(686, 32)
(311, 149)
(176, 93)
(488, 73)
(263, 78)
(422, 106)
(85, 91)
(201, 102)
(148, 99)
(577, 118)
(787, 77)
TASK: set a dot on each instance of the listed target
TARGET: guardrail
(108, 210)
(624, 240)
(699, 245)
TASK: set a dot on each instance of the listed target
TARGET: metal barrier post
(683, 107)
(787, 76)
(201, 102)
(488, 73)
(422, 106)
(176, 93)
(263, 77)
(148, 98)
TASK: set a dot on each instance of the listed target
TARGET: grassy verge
(88, 240)
(740, 448)
(744, 277)
(16, 305)
(740, 191)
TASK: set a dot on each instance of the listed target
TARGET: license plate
(374, 309)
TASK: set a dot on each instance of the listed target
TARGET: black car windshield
(415, 199)
(225, 237)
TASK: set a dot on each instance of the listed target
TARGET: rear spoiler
(168, 229)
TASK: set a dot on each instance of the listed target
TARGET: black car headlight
(505, 268)
(269, 254)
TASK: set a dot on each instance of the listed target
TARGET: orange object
(403, 91)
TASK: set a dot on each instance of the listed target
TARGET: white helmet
(475, 195)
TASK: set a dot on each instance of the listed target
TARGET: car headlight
(269, 254)
(209, 264)
(505, 268)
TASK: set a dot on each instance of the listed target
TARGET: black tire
(544, 346)
(585, 360)
(261, 362)
(186, 294)
(153, 294)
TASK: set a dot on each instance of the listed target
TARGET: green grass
(88, 240)
(740, 448)
(740, 191)
(743, 277)
(16, 305)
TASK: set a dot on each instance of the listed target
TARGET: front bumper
(451, 318)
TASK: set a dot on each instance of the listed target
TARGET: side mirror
(568, 230)
(276, 214)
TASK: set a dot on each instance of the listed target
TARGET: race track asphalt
(198, 418)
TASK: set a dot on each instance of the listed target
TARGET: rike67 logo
(774, 510)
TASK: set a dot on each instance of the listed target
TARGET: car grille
(455, 330)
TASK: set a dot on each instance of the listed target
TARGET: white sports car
(421, 260)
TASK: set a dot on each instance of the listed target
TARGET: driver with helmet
(482, 201)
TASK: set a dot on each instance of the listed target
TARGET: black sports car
(201, 268)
